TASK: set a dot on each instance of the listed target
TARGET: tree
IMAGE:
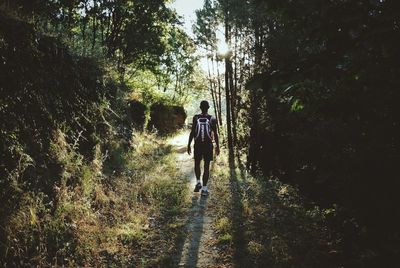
(205, 32)
(320, 85)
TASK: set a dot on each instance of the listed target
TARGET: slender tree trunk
(70, 22)
(257, 48)
(217, 103)
(232, 103)
(108, 28)
(233, 82)
(102, 33)
(228, 67)
(254, 121)
(214, 104)
(235, 60)
(176, 80)
(94, 24)
(253, 142)
(212, 90)
(219, 95)
(83, 29)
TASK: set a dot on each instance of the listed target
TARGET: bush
(136, 114)
(166, 118)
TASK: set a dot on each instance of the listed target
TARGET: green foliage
(98, 217)
(206, 25)
(132, 36)
(296, 106)
(264, 223)
(166, 119)
(321, 80)
(43, 88)
(336, 103)
(71, 184)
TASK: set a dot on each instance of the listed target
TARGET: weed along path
(197, 248)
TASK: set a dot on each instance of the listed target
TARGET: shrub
(136, 114)
(166, 119)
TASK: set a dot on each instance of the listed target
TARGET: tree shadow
(291, 234)
(240, 254)
(189, 244)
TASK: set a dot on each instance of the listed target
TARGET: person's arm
(191, 135)
(214, 126)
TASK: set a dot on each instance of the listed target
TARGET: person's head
(204, 106)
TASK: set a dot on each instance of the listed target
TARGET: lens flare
(223, 48)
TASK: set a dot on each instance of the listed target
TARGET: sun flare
(223, 47)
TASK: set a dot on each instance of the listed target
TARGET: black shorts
(203, 151)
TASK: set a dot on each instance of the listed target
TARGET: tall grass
(265, 223)
(120, 209)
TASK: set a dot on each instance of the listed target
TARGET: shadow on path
(240, 254)
(193, 247)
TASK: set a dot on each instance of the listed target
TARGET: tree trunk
(253, 154)
(217, 102)
(232, 103)
(233, 82)
(228, 67)
(219, 95)
(94, 24)
(212, 91)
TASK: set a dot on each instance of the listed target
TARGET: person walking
(204, 131)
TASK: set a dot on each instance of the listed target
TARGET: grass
(261, 222)
(126, 208)
(121, 209)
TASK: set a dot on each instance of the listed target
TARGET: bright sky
(186, 8)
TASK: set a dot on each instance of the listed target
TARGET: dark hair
(204, 105)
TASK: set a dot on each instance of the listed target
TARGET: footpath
(197, 248)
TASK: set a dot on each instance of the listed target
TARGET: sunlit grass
(101, 217)
(266, 220)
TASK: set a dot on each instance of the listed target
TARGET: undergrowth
(265, 223)
(120, 209)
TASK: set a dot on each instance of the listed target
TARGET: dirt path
(198, 246)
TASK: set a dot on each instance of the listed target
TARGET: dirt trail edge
(197, 249)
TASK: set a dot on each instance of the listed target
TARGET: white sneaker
(205, 192)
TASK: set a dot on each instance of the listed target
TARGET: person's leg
(208, 156)
(206, 172)
(197, 170)
(197, 159)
